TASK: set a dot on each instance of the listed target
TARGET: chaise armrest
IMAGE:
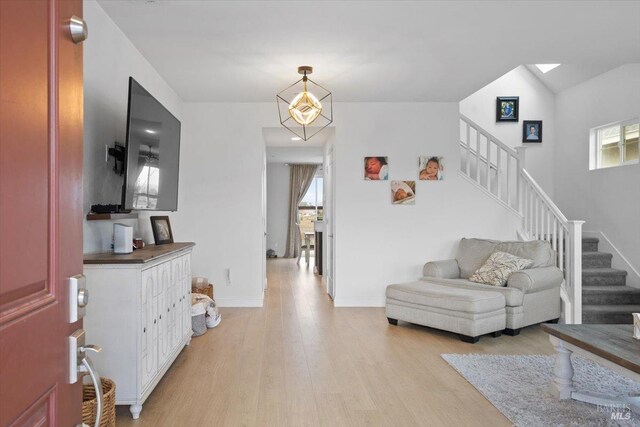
(447, 269)
(536, 279)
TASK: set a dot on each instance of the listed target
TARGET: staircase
(605, 296)
(592, 291)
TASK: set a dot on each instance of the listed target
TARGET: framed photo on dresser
(161, 228)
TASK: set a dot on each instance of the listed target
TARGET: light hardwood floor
(298, 361)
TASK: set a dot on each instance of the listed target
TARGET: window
(615, 144)
(145, 193)
(310, 208)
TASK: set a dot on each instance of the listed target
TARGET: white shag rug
(518, 386)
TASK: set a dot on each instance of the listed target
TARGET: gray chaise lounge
(445, 299)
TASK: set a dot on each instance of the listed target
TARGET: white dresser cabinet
(140, 314)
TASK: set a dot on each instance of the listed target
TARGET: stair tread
(595, 271)
(612, 308)
(590, 239)
(611, 289)
(597, 254)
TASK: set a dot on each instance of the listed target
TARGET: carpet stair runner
(605, 296)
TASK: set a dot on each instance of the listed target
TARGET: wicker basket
(203, 289)
(108, 418)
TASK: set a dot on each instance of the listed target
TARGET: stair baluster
(541, 218)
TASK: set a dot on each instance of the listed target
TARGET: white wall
(536, 103)
(221, 195)
(109, 59)
(378, 243)
(277, 206)
(607, 199)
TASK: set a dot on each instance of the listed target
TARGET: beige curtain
(301, 177)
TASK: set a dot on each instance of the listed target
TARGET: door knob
(78, 29)
(91, 347)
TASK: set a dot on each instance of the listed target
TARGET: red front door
(40, 209)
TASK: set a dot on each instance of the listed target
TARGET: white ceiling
(211, 51)
(568, 75)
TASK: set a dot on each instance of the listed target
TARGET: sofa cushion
(472, 253)
(514, 297)
(497, 269)
(538, 251)
(446, 297)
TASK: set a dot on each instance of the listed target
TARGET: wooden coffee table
(609, 345)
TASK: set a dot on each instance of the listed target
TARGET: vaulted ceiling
(212, 51)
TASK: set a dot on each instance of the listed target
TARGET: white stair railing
(490, 163)
(500, 171)
(542, 220)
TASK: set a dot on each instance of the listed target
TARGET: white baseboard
(359, 302)
(618, 261)
(239, 302)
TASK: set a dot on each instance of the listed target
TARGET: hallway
(300, 361)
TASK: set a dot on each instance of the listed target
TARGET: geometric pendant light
(305, 107)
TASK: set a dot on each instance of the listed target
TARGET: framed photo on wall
(507, 108)
(161, 228)
(403, 192)
(376, 168)
(532, 131)
(430, 168)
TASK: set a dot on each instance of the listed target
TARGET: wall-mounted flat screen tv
(153, 153)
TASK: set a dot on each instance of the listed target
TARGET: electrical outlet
(228, 276)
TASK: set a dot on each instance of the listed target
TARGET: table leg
(307, 244)
(562, 385)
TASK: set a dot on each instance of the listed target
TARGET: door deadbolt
(83, 297)
(78, 29)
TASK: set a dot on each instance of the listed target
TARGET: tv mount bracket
(119, 154)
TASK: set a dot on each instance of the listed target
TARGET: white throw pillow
(497, 269)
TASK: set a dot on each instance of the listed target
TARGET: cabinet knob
(154, 321)
(174, 305)
(161, 317)
(168, 309)
(144, 330)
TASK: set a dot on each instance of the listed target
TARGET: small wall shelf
(110, 216)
